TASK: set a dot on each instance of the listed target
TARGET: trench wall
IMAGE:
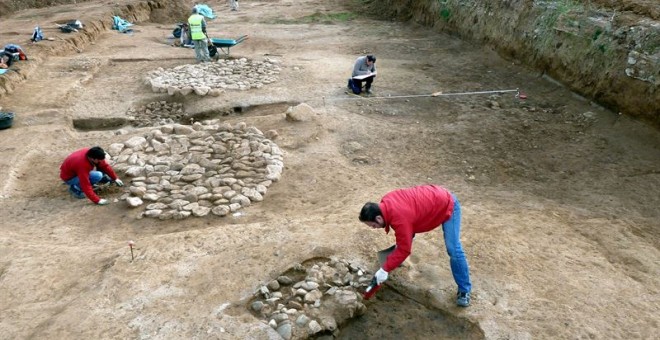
(11, 6)
(610, 55)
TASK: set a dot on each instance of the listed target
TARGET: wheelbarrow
(225, 44)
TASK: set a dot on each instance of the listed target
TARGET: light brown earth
(560, 197)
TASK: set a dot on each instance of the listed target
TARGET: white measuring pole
(437, 94)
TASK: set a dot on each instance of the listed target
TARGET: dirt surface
(560, 197)
(606, 51)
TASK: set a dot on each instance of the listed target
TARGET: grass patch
(444, 11)
(552, 14)
(596, 34)
(549, 19)
(320, 18)
(445, 14)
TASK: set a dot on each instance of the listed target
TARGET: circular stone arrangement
(309, 302)
(183, 171)
(213, 78)
(156, 113)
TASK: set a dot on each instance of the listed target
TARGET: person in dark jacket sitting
(364, 70)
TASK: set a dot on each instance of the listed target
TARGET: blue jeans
(94, 177)
(451, 230)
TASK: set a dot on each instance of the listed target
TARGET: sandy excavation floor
(560, 197)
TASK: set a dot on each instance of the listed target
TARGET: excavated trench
(98, 124)
(392, 315)
(321, 299)
(606, 51)
(243, 110)
(603, 52)
(389, 314)
(157, 111)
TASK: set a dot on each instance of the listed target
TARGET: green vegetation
(596, 34)
(320, 18)
(444, 12)
(548, 20)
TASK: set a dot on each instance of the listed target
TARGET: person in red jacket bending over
(78, 172)
(418, 210)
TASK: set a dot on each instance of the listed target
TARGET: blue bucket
(6, 120)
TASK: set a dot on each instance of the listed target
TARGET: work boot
(105, 179)
(75, 191)
(463, 299)
(368, 91)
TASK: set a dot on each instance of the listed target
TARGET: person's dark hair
(195, 10)
(371, 58)
(96, 153)
(369, 212)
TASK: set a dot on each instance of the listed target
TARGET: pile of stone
(214, 78)
(314, 301)
(156, 113)
(210, 167)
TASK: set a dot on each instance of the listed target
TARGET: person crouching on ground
(363, 71)
(78, 172)
(418, 210)
(197, 26)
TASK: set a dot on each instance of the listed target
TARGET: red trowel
(372, 289)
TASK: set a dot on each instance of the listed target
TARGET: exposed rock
(314, 327)
(136, 143)
(284, 280)
(257, 306)
(242, 74)
(134, 202)
(221, 210)
(273, 285)
(284, 331)
(300, 113)
(320, 312)
(199, 169)
(115, 149)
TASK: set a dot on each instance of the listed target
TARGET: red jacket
(411, 211)
(77, 164)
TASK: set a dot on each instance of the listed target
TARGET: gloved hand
(119, 183)
(103, 201)
(381, 276)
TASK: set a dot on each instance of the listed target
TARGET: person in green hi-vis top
(197, 26)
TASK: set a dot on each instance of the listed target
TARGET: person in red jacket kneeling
(84, 168)
(418, 210)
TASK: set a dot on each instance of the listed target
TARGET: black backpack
(212, 51)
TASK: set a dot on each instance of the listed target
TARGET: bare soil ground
(560, 197)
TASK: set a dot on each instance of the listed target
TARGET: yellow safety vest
(195, 22)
